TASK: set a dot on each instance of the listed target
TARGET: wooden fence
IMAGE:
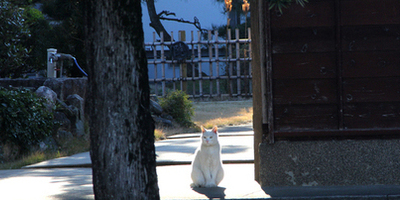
(202, 68)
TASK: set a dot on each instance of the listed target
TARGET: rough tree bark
(121, 127)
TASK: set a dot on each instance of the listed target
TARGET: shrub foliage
(178, 105)
(24, 119)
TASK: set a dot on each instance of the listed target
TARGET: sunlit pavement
(70, 178)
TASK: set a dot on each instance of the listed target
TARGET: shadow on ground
(211, 193)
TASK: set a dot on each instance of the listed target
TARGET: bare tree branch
(155, 20)
(196, 22)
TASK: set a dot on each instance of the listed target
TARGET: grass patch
(216, 113)
(31, 158)
(73, 146)
(167, 131)
(159, 134)
(223, 113)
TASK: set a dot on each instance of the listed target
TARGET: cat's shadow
(211, 193)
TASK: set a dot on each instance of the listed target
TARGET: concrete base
(330, 163)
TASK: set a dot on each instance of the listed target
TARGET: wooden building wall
(332, 68)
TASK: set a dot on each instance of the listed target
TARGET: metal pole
(51, 64)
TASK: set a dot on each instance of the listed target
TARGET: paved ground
(237, 147)
(61, 179)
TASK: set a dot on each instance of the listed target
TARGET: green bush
(178, 105)
(24, 119)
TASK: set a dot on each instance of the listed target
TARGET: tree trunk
(118, 100)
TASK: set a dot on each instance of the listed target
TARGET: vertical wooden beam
(339, 64)
(258, 63)
(249, 83)
(268, 115)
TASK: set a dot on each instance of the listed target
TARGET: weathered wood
(303, 40)
(308, 91)
(315, 14)
(371, 38)
(301, 66)
(332, 62)
(372, 115)
(382, 89)
(371, 64)
(370, 12)
(305, 117)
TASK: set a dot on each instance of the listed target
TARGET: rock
(67, 86)
(162, 121)
(63, 121)
(155, 107)
(49, 95)
(79, 103)
(63, 135)
(9, 151)
(48, 144)
(34, 83)
(76, 104)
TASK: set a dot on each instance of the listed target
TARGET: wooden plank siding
(336, 68)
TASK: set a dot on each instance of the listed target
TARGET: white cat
(207, 164)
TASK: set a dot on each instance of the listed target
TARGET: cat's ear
(202, 129)
(215, 129)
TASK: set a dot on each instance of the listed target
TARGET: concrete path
(67, 177)
(237, 147)
(71, 177)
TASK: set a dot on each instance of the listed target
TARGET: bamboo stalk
(230, 64)
(193, 66)
(155, 64)
(199, 58)
(238, 63)
(209, 62)
(217, 61)
(162, 64)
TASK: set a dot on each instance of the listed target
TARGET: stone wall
(69, 96)
(328, 163)
(62, 86)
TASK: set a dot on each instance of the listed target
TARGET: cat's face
(209, 137)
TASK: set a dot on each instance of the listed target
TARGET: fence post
(162, 65)
(238, 74)
(217, 62)
(210, 57)
(193, 65)
(155, 64)
(230, 70)
(183, 66)
(199, 64)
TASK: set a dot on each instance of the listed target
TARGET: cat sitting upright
(207, 164)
